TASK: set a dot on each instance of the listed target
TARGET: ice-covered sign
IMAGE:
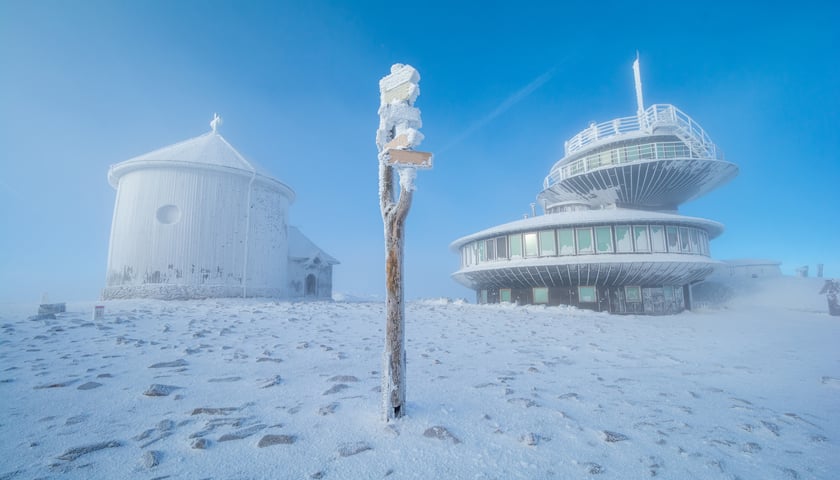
(409, 158)
(400, 85)
(400, 122)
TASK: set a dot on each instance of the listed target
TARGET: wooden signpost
(396, 137)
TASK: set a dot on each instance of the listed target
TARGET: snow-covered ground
(258, 389)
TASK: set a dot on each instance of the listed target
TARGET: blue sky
(87, 84)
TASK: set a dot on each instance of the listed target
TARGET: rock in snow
(440, 433)
(176, 363)
(152, 458)
(269, 440)
(77, 452)
(613, 437)
(350, 449)
(89, 386)
(156, 390)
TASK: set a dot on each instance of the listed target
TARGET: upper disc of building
(209, 151)
(657, 159)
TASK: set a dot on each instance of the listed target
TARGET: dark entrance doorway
(310, 285)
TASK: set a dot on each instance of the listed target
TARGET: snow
(249, 388)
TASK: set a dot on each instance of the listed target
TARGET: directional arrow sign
(409, 158)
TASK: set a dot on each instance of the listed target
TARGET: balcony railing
(620, 156)
(663, 118)
(659, 116)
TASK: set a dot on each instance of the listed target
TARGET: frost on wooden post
(399, 123)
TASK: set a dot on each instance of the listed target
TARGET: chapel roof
(209, 150)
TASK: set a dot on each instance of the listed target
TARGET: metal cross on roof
(217, 120)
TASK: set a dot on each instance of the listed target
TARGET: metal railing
(622, 155)
(656, 116)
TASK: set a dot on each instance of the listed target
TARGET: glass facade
(673, 235)
(693, 241)
(587, 295)
(640, 236)
(548, 248)
(584, 240)
(515, 246)
(601, 239)
(623, 240)
(633, 294)
(530, 244)
(540, 295)
(566, 239)
(504, 295)
(657, 239)
(501, 247)
(684, 246)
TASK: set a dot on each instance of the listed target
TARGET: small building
(196, 220)
(310, 268)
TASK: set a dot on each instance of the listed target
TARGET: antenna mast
(640, 104)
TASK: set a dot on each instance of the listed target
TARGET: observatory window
(633, 294)
(657, 238)
(483, 297)
(530, 244)
(604, 158)
(704, 242)
(694, 241)
(490, 245)
(646, 151)
(567, 241)
(515, 245)
(504, 295)
(673, 235)
(584, 240)
(684, 245)
(660, 150)
(168, 214)
(540, 295)
(623, 240)
(603, 240)
(632, 153)
(547, 245)
(482, 256)
(640, 234)
(501, 248)
(586, 295)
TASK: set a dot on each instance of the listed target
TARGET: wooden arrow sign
(409, 158)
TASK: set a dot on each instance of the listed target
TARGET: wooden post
(393, 217)
(395, 139)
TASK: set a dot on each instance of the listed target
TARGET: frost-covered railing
(620, 156)
(655, 117)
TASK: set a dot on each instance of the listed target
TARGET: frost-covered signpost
(396, 138)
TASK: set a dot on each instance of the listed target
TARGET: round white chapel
(197, 220)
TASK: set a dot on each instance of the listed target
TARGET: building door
(310, 285)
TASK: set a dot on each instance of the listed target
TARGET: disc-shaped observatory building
(197, 220)
(610, 237)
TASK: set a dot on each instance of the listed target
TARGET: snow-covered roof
(590, 217)
(210, 150)
(302, 248)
